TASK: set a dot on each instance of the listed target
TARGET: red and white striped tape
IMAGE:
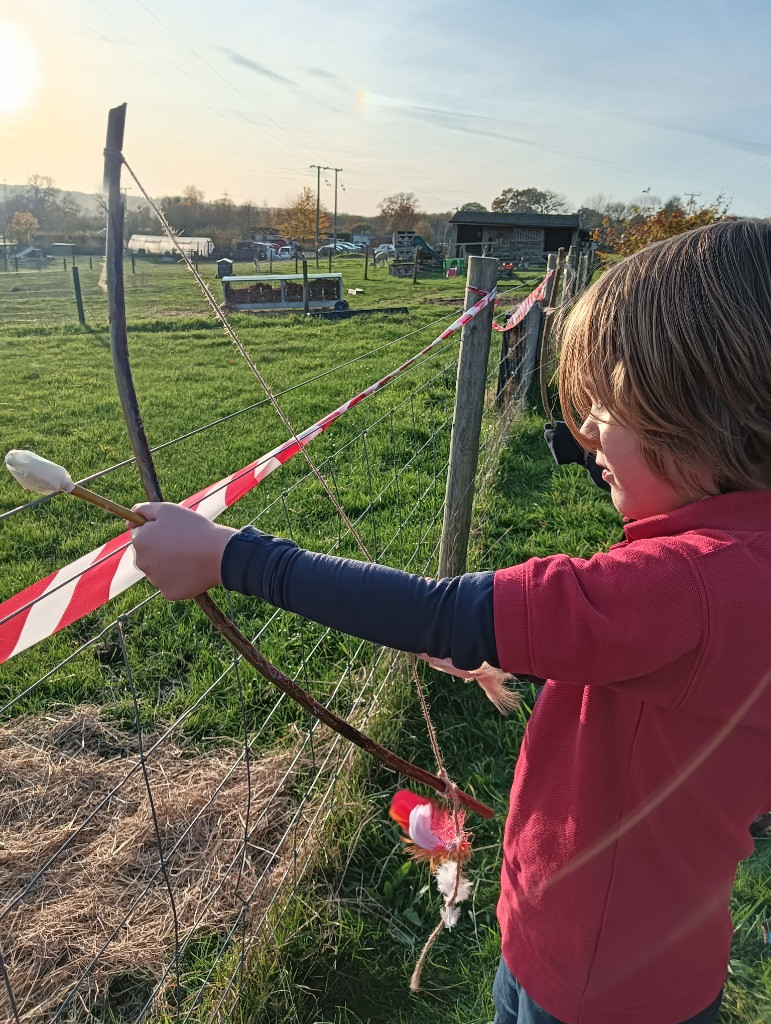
(519, 314)
(94, 579)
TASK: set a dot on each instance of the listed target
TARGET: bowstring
(451, 788)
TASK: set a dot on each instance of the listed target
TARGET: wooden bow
(113, 161)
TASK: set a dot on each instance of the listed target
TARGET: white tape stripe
(46, 614)
(126, 574)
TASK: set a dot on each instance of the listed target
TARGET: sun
(21, 68)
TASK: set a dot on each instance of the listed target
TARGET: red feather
(402, 804)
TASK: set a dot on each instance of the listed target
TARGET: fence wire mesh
(159, 797)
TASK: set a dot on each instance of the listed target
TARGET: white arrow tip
(37, 474)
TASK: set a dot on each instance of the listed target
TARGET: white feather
(446, 875)
(420, 828)
(450, 916)
(492, 680)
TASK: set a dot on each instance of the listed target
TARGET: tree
(529, 200)
(472, 208)
(399, 211)
(67, 208)
(426, 228)
(299, 218)
(638, 230)
(192, 196)
(40, 196)
(23, 226)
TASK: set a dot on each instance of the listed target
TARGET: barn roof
(519, 220)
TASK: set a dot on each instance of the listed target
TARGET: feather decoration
(494, 681)
(436, 835)
(430, 830)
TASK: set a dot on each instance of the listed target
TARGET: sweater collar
(739, 511)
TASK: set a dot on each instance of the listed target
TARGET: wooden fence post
(78, 296)
(532, 332)
(547, 324)
(366, 260)
(467, 420)
(306, 292)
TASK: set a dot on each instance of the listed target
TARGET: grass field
(165, 290)
(343, 945)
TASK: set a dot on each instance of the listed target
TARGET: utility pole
(334, 218)
(319, 169)
(318, 206)
(5, 221)
(691, 197)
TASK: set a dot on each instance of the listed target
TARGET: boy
(648, 754)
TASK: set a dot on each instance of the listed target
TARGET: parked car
(385, 250)
(331, 247)
(286, 252)
(264, 251)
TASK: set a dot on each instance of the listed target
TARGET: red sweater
(645, 760)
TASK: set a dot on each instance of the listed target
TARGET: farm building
(158, 244)
(478, 233)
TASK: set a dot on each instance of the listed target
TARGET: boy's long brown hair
(675, 343)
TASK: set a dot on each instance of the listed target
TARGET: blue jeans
(514, 1006)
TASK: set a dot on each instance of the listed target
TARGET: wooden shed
(514, 235)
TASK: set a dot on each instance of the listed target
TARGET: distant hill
(86, 200)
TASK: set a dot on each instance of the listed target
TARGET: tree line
(41, 213)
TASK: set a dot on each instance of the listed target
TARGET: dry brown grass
(55, 772)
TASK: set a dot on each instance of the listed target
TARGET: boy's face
(636, 491)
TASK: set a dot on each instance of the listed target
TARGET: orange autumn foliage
(627, 236)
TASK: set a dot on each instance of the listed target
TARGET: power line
(139, 61)
(153, 70)
(219, 74)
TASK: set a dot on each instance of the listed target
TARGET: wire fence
(148, 839)
(162, 289)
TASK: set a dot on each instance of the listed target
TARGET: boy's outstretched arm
(183, 554)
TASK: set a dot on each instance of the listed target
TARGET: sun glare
(21, 68)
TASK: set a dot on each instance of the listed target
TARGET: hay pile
(53, 773)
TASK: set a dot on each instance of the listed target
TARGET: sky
(451, 101)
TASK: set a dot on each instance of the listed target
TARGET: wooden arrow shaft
(110, 506)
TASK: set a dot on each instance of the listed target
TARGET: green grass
(59, 399)
(343, 946)
(166, 290)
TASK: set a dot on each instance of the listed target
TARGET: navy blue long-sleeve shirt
(451, 618)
